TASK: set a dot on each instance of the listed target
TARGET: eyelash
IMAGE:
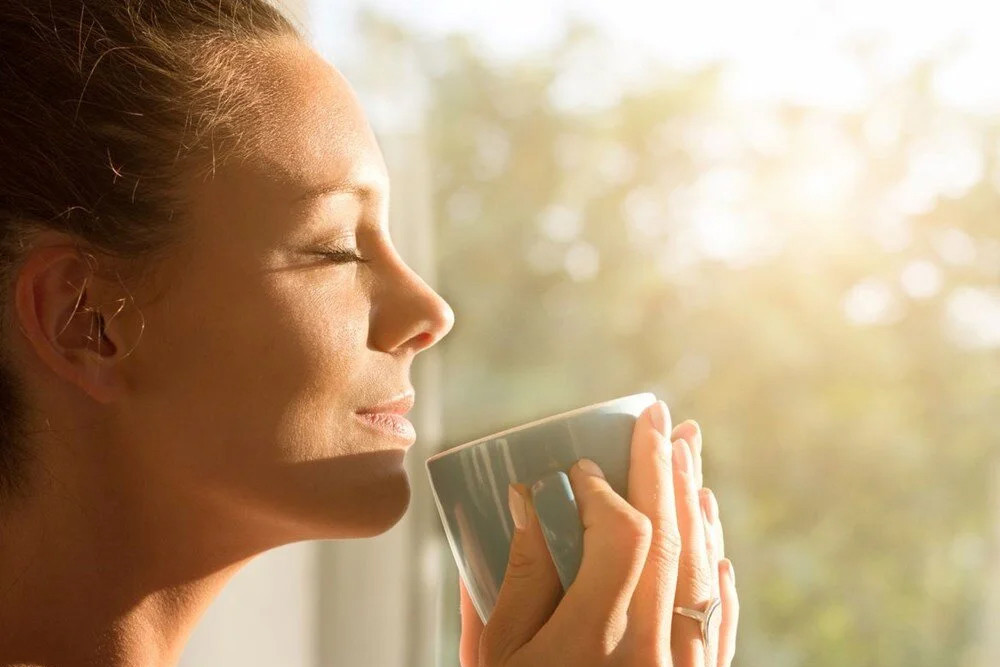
(341, 256)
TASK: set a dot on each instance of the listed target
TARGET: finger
(472, 629)
(694, 587)
(530, 590)
(711, 541)
(720, 538)
(616, 540)
(690, 432)
(730, 613)
(651, 491)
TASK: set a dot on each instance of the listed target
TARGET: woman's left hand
(724, 583)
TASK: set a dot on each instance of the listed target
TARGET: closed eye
(342, 256)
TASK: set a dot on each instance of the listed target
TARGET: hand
(662, 548)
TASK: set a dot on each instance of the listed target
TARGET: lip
(398, 406)
(388, 420)
(393, 425)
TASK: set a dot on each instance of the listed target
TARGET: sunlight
(797, 50)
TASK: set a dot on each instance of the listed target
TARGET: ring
(703, 617)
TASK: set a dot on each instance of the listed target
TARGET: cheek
(314, 373)
(245, 399)
(259, 377)
(323, 335)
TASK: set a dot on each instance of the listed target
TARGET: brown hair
(105, 104)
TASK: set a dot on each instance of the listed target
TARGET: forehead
(307, 134)
(314, 130)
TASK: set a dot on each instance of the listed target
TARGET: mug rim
(537, 422)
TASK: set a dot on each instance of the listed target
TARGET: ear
(68, 315)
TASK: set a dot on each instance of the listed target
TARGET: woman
(204, 318)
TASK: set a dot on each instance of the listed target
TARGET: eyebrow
(363, 191)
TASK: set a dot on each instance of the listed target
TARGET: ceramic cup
(470, 488)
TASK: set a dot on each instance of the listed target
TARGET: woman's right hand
(641, 557)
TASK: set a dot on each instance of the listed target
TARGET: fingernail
(589, 467)
(686, 430)
(682, 457)
(709, 505)
(729, 566)
(518, 508)
(706, 505)
(658, 415)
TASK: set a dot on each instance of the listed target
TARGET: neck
(95, 571)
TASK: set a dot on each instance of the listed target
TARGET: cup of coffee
(470, 485)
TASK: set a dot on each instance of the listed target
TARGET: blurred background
(783, 217)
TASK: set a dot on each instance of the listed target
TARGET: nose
(407, 314)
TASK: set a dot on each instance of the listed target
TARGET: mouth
(388, 418)
(398, 405)
(393, 425)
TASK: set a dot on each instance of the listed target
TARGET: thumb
(530, 591)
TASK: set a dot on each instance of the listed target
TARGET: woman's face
(245, 385)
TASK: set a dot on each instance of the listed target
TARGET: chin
(364, 504)
(384, 507)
